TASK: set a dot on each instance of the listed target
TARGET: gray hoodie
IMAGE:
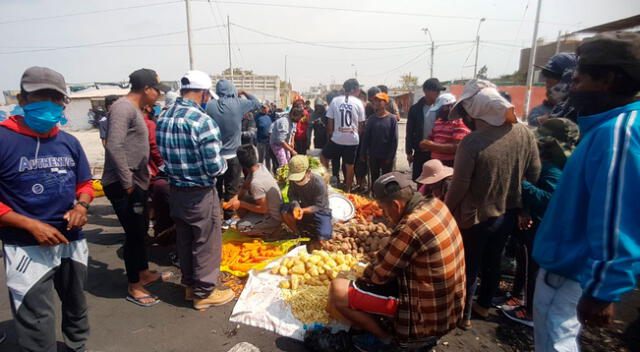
(228, 112)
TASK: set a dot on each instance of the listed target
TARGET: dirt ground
(117, 325)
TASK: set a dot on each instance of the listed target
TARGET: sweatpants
(33, 273)
(196, 213)
(132, 210)
(228, 185)
(379, 167)
(483, 245)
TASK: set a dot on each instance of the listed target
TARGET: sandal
(138, 300)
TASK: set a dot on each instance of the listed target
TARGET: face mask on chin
(590, 103)
(43, 116)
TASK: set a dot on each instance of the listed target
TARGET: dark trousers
(34, 314)
(301, 146)
(526, 267)
(196, 213)
(483, 245)
(419, 158)
(228, 185)
(132, 211)
(379, 167)
(160, 202)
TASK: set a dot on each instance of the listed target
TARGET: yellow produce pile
(307, 288)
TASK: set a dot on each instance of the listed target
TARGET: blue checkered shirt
(189, 141)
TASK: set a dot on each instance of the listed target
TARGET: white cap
(195, 80)
(442, 100)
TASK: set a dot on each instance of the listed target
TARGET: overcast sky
(395, 26)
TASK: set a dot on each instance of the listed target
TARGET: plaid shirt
(189, 141)
(426, 257)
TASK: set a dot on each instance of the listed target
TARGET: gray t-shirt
(314, 194)
(263, 185)
(127, 150)
(281, 130)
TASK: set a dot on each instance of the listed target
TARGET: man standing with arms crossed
(345, 125)
(187, 136)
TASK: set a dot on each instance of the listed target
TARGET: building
(569, 42)
(265, 88)
(77, 111)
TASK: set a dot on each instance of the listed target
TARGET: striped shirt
(426, 257)
(447, 132)
(189, 141)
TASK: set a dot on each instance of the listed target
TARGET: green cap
(298, 166)
(561, 135)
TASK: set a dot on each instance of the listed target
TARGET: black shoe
(324, 341)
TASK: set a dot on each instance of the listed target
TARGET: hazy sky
(101, 46)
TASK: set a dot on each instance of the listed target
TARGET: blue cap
(559, 63)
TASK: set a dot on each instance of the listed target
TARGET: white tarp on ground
(261, 304)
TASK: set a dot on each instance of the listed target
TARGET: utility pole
(188, 7)
(355, 68)
(475, 65)
(285, 68)
(532, 58)
(433, 49)
(558, 41)
(229, 43)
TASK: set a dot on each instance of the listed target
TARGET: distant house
(81, 102)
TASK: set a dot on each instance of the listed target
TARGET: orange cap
(383, 96)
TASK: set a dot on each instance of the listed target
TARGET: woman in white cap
(485, 193)
(435, 179)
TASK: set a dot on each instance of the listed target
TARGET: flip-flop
(137, 300)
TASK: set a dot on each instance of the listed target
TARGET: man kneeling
(259, 200)
(418, 278)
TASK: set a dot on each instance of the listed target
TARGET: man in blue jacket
(228, 111)
(588, 245)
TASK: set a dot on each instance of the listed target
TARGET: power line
(400, 66)
(318, 44)
(105, 42)
(360, 11)
(89, 12)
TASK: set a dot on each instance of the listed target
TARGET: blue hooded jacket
(591, 230)
(228, 111)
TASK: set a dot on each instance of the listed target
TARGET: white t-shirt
(346, 115)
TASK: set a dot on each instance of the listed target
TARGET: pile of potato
(317, 269)
(365, 239)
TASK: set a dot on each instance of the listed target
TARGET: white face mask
(304, 181)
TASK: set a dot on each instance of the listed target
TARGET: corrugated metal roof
(98, 93)
(625, 23)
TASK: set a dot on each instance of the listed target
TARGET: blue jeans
(554, 313)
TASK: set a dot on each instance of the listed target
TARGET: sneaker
(188, 293)
(216, 298)
(519, 315)
(370, 343)
(512, 304)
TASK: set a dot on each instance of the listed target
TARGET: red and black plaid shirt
(426, 257)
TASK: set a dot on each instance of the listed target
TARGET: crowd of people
(557, 189)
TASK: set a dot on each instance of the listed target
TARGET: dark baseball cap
(146, 77)
(390, 183)
(433, 84)
(350, 85)
(38, 78)
(618, 49)
(558, 64)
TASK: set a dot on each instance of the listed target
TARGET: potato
(285, 284)
(323, 277)
(298, 269)
(313, 271)
(275, 269)
(295, 282)
(307, 276)
(283, 270)
(321, 270)
(333, 275)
